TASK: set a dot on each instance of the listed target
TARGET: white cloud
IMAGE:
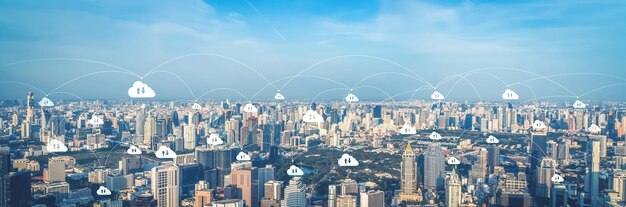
(103, 191)
(294, 171)
(492, 140)
(242, 156)
(55, 145)
(133, 150)
(435, 136)
(249, 108)
(165, 152)
(96, 120)
(312, 117)
(347, 160)
(279, 96)
(437, 96)
(594, 129)
(510, 95)
(557, 178)
(407, 130)
(214, 139)
(196, 106)
(538, 125)
(579, 104)
(352, 98)
(453, 161)
(140, 90)
(45, 102)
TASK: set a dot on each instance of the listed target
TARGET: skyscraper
(545, 172)
(332, 195)
(593, 171)
(166, 185)
(372, 198)
(247, 180)
(453, 190)
(409, 190)
(294, 193)
(189, 136)
(55, 170)
(537, 147)
(5, 180)
(493, 158)
(434, 167)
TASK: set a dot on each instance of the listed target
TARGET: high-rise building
(273, 190)
(372, 198)
(294, 193)
(346, 201)
(30, 106)
(453, 190)
(165, 182)
(593, 171)
(434, 167)
(559, 196)
(265, 174)
(189, 136)
(545, 172)
(409, 190)
(332, 195)
(5, 179)
(149, 130)
(55, 170)
(21, 193)
(493, 158)
(247, 180)
(537, 148)
(203, 197)
(618, 184)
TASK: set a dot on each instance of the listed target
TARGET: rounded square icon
(294, 171)
(347, 160)
(579, 104)
(492, 140)
(352, 98)
(214, 139)
(103, 191)
(509, 95)
(196, 106)
(45, 102)
(312, 117)
(407, 130)
(96, 120)
(538, 125)
(242, 156)
(556, 178)
(141, 90)
(436, 96)
(435, 136)
(165, 152)
(453, 161)
(133, 150)
(279, 96)
(594, 129)
(249, 108)
(55, 145)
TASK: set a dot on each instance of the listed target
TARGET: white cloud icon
(347, 160)
(279, 96)
(492, 140)
(141, 90)
(242, 156)
(295, 171)
(453, 161)
(249, 108)
(45, 102)
(436, 96)
(56, 146)
(509, 95)
(538, 125)
(96, 120)
(165, 152)
(579, 104)
(407, 129)
(557, 178)
(196, 106)
(435, 136)
(312, 117)
(103, 191)
(352, 98)
(133, 150)
(214, 139)
(594, 128)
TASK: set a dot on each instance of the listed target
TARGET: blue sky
(433, 39)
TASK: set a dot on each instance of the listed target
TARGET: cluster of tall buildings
(564, 164)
